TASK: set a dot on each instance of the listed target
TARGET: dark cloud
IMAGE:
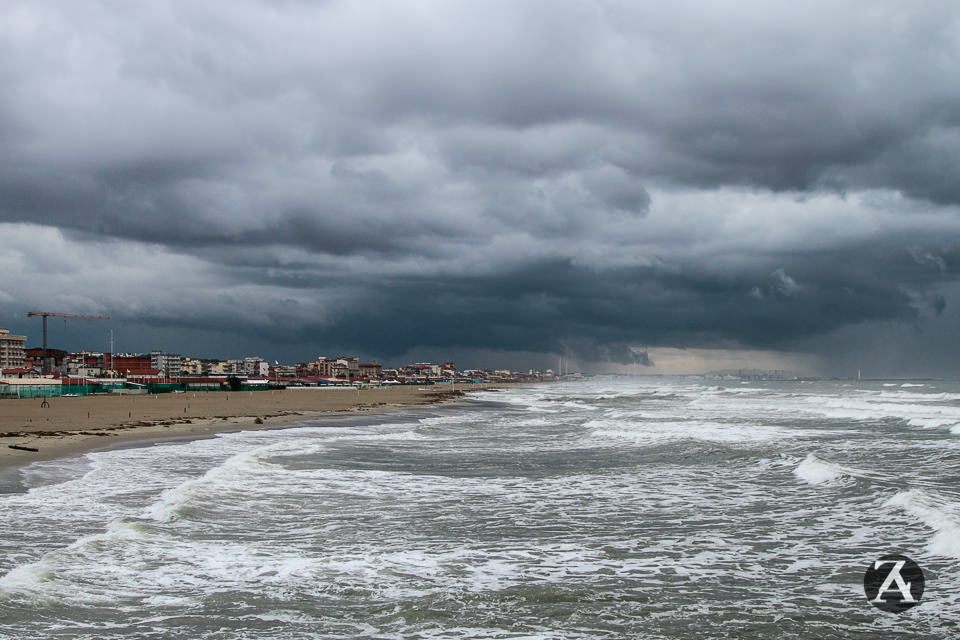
(585, 351)
(546, 177)
(558, 307)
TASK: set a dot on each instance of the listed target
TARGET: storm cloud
(580, 178)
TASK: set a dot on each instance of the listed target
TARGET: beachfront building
(322, 366)
(304, 370)
(167, 363)
(85, 364)
(370, 370)
(226, 367)
(347, 368)
(126, 365)
(283, 371)
(257, 367)
(56, 358)
(191, 367)
(429, 369)
(12, 352)
(421, 371)
(28, 384)
(342, 367)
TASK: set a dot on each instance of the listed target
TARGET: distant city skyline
(624, 184)
(667, 361)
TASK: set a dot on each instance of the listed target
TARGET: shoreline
(72, 426)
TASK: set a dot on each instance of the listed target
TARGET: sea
(636, 507)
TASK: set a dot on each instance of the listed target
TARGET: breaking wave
(937, 513)
(816, 470)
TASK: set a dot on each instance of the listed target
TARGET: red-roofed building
(56, 358)
(128, 366)
(20, 373)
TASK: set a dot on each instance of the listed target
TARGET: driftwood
(17, 446)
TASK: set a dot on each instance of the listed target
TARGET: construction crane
(48, 314)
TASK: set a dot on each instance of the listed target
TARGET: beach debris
(22, 448)
(258, 421)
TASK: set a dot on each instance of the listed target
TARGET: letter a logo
(893, 583)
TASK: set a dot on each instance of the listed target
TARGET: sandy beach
(69, 426)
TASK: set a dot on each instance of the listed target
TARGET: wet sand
(70, 426)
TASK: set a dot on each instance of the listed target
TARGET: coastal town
(36, 372)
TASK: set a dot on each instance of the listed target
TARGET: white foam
(27, 578)
(227, 474)
(937, 513)
(391, 436)
(445, 420)
(925, 410)
(933, 422)
(815, 470)
(644, 432)
(122, 564)
(52, 577)
(51, 472)
(240, 469)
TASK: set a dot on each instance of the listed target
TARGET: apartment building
(12, 351)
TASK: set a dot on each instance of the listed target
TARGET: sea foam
(937, 513)
(815, 470)
(227, 474)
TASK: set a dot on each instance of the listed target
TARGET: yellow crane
(48, 314)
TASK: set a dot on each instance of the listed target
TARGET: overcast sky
(500, 182)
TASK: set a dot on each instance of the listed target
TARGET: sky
(649, 187)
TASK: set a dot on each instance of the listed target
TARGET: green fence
(53, 390)
(30, 390)
(57, 390)
(163, 387)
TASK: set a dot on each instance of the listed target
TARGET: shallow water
(643, 508)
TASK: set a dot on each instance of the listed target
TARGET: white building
(226, 368)
(12, 352)
(167, 363)
(253, 366)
